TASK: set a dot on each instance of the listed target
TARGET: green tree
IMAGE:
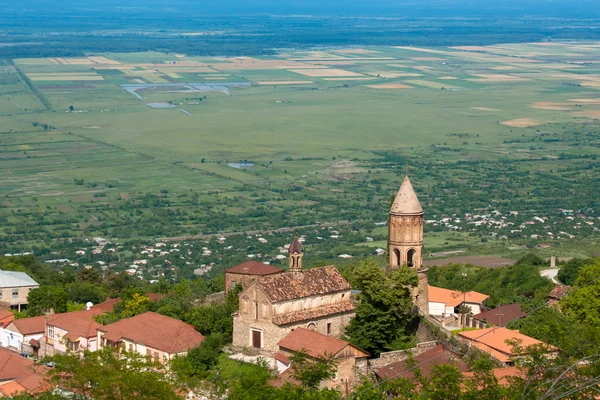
(311, 372)
(107, 375)
(195, 365)
(583, 302)
(569, 272)
(383, 312)
(46, 299)
(89, 275)
(84, 292)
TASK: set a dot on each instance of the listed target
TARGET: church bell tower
(295, 257)
(406, 239)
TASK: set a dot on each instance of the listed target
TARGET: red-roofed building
(19, 333)
(150, 334)
(446, 302)
(73, 330)
(504, 375)
(436, 356)
(496, 342)
(19, 375)
(351, 362)
(245, 273)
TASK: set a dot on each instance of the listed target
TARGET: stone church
(319, 299)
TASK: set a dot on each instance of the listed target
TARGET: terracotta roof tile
(406, 201)
(436, 356)
(6, 317)
(502, 374)
(22, 370)
(254, 268)
(559, 292)
(501, 315)
(454, 298)
(280, 356)
(493, 341)
(30, 326)
(311, 282)
(154, 330)
(106, 306)
(285, 377)
(315, 344)
(78, 324)
(297, 316)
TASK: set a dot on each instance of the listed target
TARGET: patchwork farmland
(82, 136)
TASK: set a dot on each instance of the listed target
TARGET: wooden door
(256, 339)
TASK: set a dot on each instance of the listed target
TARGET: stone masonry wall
(391, 357)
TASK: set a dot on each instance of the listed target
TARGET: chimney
(553, 262)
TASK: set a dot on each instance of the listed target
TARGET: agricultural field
(139, 145)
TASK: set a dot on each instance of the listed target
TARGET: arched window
(397, 260)
(312, 326)
(410, 257)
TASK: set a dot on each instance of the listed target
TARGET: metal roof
(9, 279)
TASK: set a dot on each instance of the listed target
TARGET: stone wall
(237, 279)
(391, 357)
(271, 334)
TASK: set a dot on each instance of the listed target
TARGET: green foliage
(311, 372)
(583, 303)
(568, 273)
(196, 364)
(83, 292)
(531, 259)
(384, 307)
(212, 319)
(106, 375)
(46, 299)
(504, 285)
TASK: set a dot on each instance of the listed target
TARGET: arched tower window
(410, 257)
(397, 257)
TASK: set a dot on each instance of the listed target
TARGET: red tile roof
(315, 344)
(254, 268)
(106, 306)
(27, 377)
(502, 374)
(154, 330)
(453, 298)
(30, 326)
(281, 356)
(313, 313)
(501, 315)
(78, 324)
(6, 317)
(436, 356)
(285, 377)
(494, 341)
(559, 292)
(311, 282)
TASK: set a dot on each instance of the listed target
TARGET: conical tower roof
(295, 246)
(406, 202)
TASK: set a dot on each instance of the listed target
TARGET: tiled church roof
(254, 268)
(313, 313)
(311, 282)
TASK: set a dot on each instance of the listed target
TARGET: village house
(19, 375)
(273, 306)
(15, 287)
(437, 355)
(503, 375)
(350, 361)
(245, 273)
(501, 315)
(75, 331)
(150, 334)
(23, 334)
(496, 342)
(446, 302)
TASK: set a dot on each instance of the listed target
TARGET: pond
(241, 165)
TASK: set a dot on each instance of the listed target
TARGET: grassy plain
(343, 144)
